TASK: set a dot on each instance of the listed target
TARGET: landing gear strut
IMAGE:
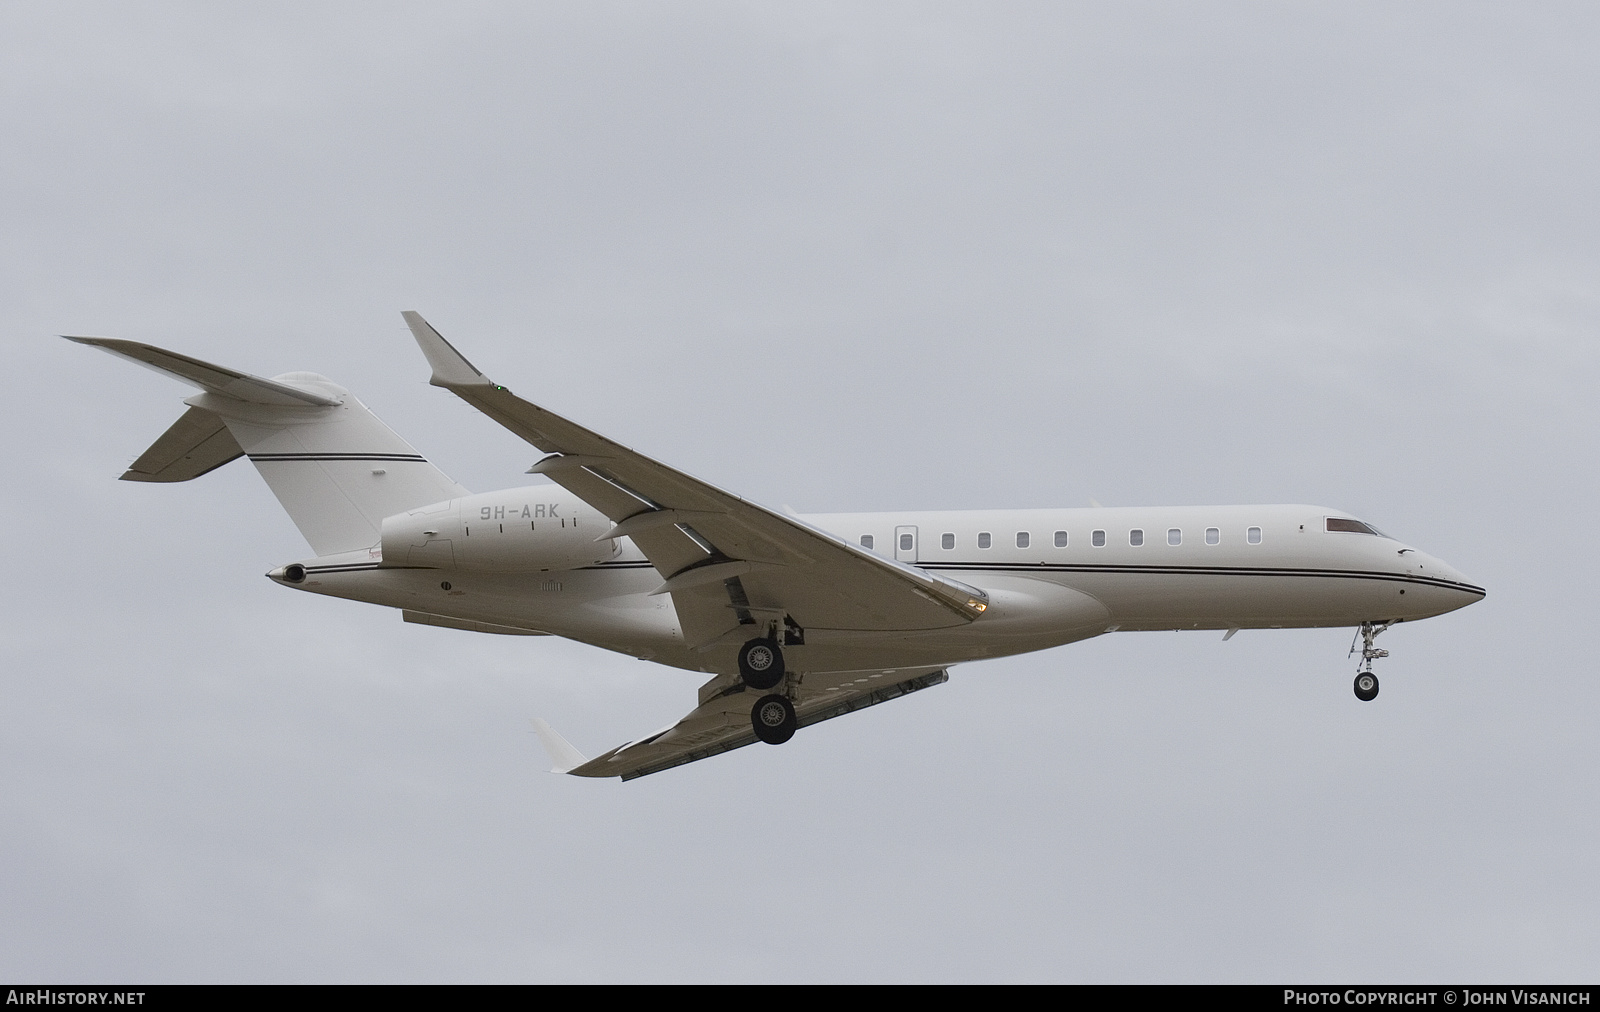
(1366, 682)
(761, 663)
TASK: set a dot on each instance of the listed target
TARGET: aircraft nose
(1439, 570)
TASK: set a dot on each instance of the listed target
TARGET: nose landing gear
(1366, 685)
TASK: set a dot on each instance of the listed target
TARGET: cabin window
(947, 541)
(1061, 539)
(907, 541)
(1136, 537)
(1351, 526)
(1213, 536)
(1253, 536)
(983, 539)
(1174, 535)
(1022, 539)
(866, 541)
(1098, 539)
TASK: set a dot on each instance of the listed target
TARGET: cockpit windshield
(1353, 527)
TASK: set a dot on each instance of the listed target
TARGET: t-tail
(337, 469)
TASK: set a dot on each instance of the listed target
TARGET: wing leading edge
(733, 569)
(726, 561)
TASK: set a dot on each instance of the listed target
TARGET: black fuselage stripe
(356, 567)
(1325, 574)
(1330, 574)
(338, 456)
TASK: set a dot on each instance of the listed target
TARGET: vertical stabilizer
(337, 469)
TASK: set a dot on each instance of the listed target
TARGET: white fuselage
(797, 619)
(528, 559)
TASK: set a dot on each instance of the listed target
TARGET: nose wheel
(1366, 685)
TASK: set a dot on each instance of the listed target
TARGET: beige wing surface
(722, 721)
(727, 562)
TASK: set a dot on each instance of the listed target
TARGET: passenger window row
(947, 540)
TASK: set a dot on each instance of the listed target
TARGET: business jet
(796, 619)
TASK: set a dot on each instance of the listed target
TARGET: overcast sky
(833, 257)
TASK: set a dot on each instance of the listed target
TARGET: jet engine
(527, 530)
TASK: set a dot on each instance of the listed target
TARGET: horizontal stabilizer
(197, 443)
(211, 378)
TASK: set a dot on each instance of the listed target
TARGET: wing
(727, 562)
(722, 722)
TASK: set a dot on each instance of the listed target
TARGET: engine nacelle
(518, 530)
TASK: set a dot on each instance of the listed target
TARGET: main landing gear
(1366, 682)
(761, 663)
(761, 667)
(774, 719)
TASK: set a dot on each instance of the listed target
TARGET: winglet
(565, 757)
(450, 367)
